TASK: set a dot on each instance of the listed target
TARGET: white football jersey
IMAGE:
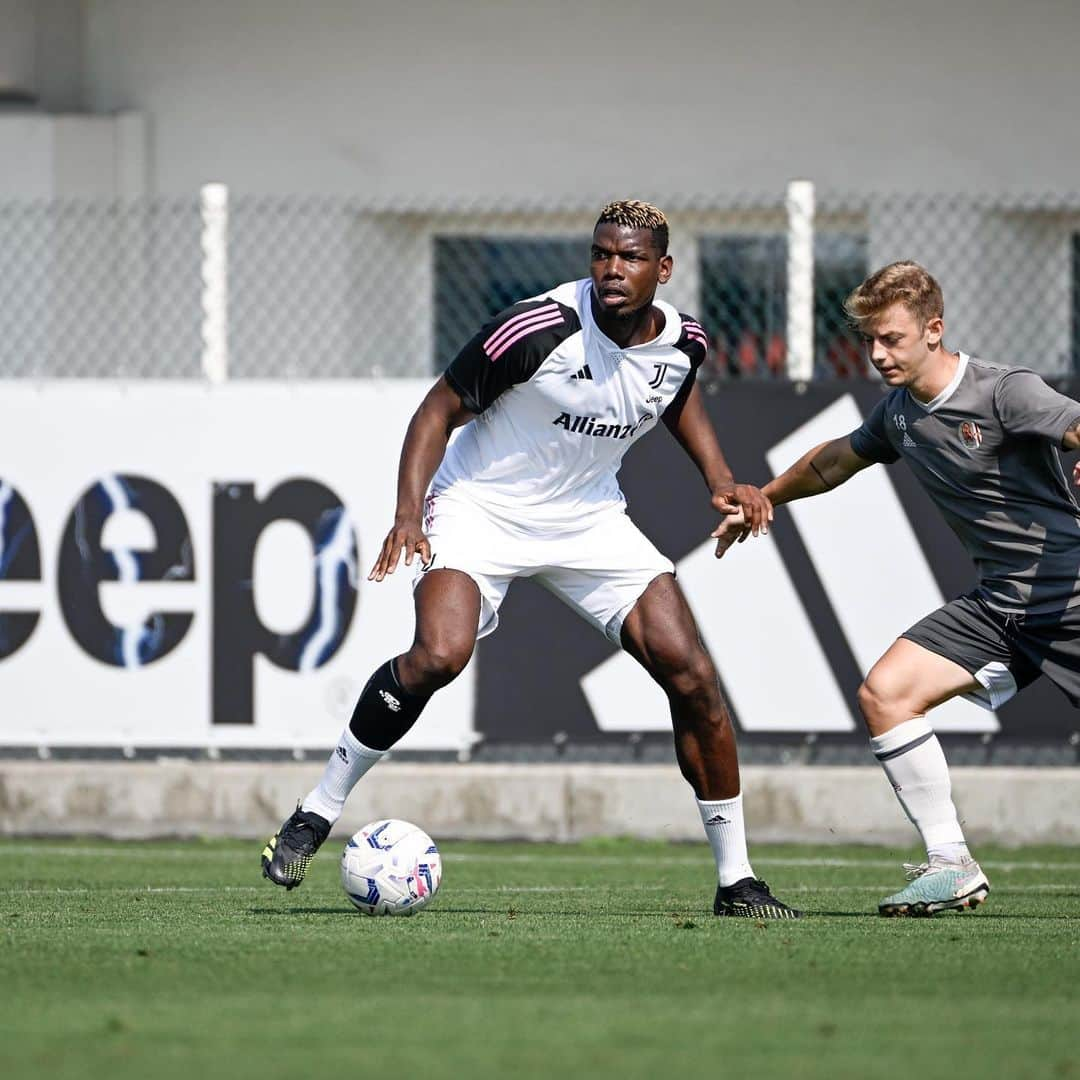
(558, 404)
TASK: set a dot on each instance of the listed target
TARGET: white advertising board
(186, 566)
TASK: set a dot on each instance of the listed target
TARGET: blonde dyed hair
(635, 214)
(905, 283)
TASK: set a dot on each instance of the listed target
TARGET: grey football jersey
(985, 450)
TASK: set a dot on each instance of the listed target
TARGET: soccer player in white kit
(551, 394)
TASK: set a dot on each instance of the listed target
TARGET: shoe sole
(923, 909)
(773, 914)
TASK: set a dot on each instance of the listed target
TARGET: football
(390, 868)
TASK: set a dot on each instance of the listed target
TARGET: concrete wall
(482, 98)
(63, 156)
(817, 804)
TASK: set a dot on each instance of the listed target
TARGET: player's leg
(447, 614)
(660, 632)
(958, 650)
(900, 689)
(448, 606)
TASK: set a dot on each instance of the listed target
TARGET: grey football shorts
(1004, 653)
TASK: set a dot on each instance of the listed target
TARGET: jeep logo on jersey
(591, 425)
(970, 435)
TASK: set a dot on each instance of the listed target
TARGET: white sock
(915, 764)
(723, 821)
(349, 761)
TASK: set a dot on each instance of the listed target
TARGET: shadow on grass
(503, 912)
(341, 911)
(1019, 916)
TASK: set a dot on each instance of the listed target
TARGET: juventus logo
(658, 378)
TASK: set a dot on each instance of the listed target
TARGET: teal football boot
(936, 886)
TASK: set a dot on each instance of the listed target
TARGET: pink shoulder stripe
(524, 331)
(512, 325)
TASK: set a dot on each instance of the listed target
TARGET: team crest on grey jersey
(970, 434)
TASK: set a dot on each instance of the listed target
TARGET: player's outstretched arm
(818, 471)
(688, 421)
(429, 431)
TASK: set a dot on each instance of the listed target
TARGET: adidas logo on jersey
(589, 425)
(909, 442)
(583, 373)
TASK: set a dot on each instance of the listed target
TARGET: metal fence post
(214, 205)
(800, 280)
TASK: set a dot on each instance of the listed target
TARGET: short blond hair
(635, 214)
(905, 283)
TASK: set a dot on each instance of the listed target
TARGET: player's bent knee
(690, 676)
(437, 663)
(870, 704)
(881, 704)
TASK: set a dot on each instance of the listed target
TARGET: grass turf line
(144, 959)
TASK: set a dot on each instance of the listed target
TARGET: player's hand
(755, 507)
(733, 529)
(407, 536)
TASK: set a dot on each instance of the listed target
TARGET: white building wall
(47, 156)
(480, 98)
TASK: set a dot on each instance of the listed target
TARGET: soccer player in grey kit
(982, 439)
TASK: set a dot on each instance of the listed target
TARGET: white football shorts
(600, 571)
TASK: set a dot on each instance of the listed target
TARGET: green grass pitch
(160, 960)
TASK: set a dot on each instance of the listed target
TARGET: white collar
(667, 337)
(933, 406)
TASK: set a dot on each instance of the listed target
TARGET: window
(743, 293)
(744, 303)
(477, 276)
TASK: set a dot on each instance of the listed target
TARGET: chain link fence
(342, 288)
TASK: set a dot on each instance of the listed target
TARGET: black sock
(385, 711)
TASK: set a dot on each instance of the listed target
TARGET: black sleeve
(870, 441)
(508, 350)
(693, 341)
